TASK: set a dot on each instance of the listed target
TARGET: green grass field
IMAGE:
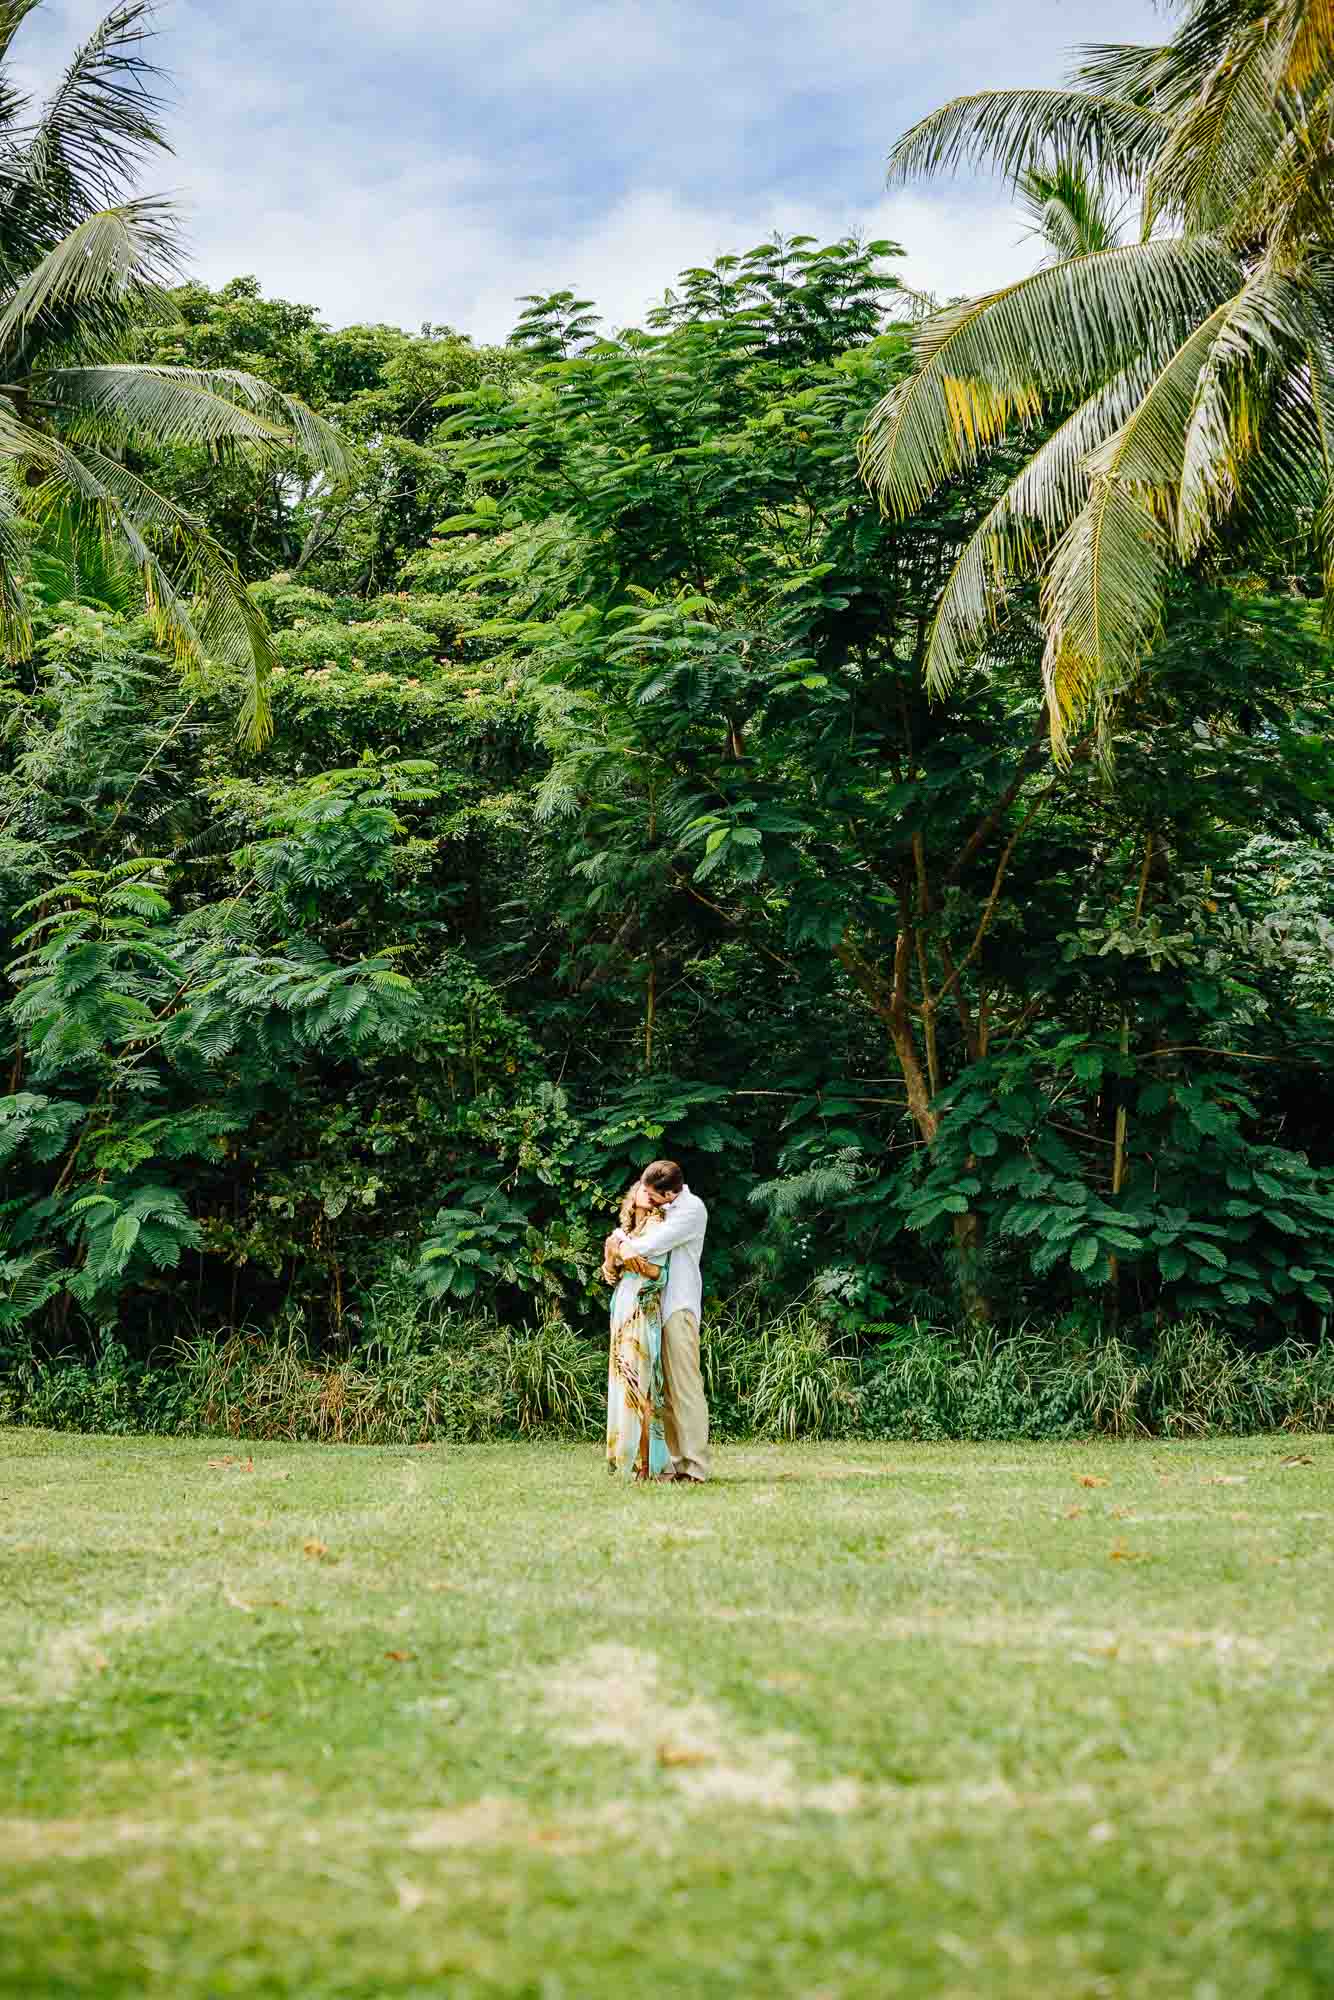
(940, 1721)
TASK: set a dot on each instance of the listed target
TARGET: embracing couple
(657, 1418)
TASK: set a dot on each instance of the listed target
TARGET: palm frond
(1226, 138)
(1310, 44)
(1102, 595)
(1319, 361)
(13, 13)
(15, 629)
(314, 439)
(1158, 76)
(1033, 512)
(104, 272)
(125, 401)
(1285, 482)
(1208, 26)
(1263, 332)
(1063, 330)
(1285, 202)
(1320, 375)
(1013, 130)
(1102, 603)
(202, 609)
(103, 116)
(151, 403)
(73, 563)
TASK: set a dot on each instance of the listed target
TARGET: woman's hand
(611, 1258)
(640, 1266)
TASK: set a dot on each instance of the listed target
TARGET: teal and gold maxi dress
(636, 1443)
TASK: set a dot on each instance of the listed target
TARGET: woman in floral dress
(636, 1444)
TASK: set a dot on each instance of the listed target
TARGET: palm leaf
(1263, 333)
(1209, 26)
(1063, 330)
(1286, 486)
(1285, 201)
(1102, 596)
(1033, 512)
(1310, 51)
(13, 101)
(1102, 603)
(1071, 213)
(202, 610)
(103, 273)
(1157, 76)
(103, 116)
(152, 405)
(316, 440)
(15, 629)
(1012, 130)
(1226, 138)
(13, 13)
(1320, 375)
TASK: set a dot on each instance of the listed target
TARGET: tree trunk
(969, 1236)
(888, 999)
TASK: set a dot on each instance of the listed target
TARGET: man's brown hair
(664, 1176)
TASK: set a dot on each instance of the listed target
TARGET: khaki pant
(685, 1415)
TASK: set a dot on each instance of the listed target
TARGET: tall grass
(423, 1373)
(454, 1377)
(1192, 1381)
(801, 1386)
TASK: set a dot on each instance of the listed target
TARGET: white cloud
(634, 251)
(429, 253)
(426, 161)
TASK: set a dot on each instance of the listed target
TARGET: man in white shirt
(677, 1231)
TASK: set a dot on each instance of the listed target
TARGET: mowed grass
(939, 1721)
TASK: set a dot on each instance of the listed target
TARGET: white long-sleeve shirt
(678, 1229)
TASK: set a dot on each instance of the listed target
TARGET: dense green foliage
(607, 814)
(624, 824)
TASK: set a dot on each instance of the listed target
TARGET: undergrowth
(465, 1378)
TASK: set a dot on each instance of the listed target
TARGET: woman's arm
(615, 1261)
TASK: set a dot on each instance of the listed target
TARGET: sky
(415, 160)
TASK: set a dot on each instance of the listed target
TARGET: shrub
(801, 1386)
(551, 1379)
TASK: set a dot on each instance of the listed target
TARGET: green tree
(387, 392)
(1188, 375)
(739, 728)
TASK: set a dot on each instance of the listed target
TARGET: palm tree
(82, 263)
(1185, 379)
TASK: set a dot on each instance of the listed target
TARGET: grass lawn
(942, 1721)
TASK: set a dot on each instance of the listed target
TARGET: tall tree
(1184, 381)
